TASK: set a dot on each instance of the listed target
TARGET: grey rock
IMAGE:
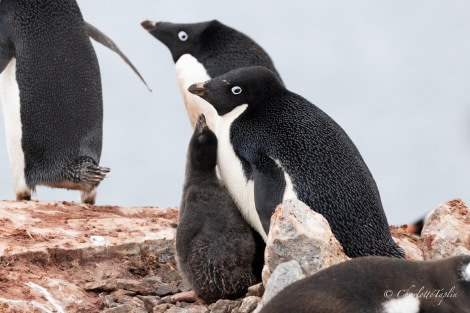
(298, 233)
(150, 302)
(284, 275)
(163, 290)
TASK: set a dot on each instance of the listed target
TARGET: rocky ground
(68, 257)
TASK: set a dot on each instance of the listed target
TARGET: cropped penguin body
(380, 285)
(205, 50)
(51, 93)
(289, 148)
(217, 251)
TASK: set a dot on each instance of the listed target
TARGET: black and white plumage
(380, 285)
(205, 50)
(286, 147)
(217, 251)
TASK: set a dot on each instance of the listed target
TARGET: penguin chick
(217, 251)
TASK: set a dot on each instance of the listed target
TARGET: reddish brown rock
(447, 231)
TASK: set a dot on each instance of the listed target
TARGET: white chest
(189, 71)
(231, 172)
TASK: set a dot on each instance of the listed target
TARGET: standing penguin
(50, 88)
(380, 285)
(205, 50)
(287, 148)
(217, 251)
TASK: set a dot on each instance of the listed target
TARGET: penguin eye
(236, 90)
(183, 36)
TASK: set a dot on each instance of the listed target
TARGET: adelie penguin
(288, 148)
(205, 50)
(50, 88)
(380, 285)
(217, 251)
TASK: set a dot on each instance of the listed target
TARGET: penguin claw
(85, 171)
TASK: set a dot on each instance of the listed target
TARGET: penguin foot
(88, 196)
(85, 171)
(23, 195)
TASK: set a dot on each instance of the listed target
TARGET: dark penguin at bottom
(380, 285)
(217, 251)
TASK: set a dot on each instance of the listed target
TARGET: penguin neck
(199, 176)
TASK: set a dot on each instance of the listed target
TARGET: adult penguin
(379, 284)
(205, 50)
(286, 147)
(50, 88)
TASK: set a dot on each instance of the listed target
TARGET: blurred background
(394, 75)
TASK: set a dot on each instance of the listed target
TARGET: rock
(150, 302)
(187, 296)
(51, 253)
(410, 243)
(299, 233)
(160, 308)
(68, 257)
(163, 290)
(188, 309)
(223, 306)
(248, 305)
(447, 231)
(123, 308)
(284, 275)
(184, 286)
(256, 290)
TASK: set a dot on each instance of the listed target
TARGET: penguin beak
(198, 90)
(201, 123)
(148, 25)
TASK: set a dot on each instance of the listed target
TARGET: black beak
(148, 25)
(198, 90)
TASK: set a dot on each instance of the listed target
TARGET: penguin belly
(10, 97)
(189, 71)
(231, 172)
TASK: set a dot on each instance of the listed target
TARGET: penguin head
(203, 146)
(247, 85)
(179, 38)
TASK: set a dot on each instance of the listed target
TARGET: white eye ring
(236, 90)
(183, 36)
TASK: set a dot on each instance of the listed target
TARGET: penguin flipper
(7, 50)
(100, 37)
(269, 185)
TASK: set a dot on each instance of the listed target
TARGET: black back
(218, 47)
(364, 284)
(59, 81)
